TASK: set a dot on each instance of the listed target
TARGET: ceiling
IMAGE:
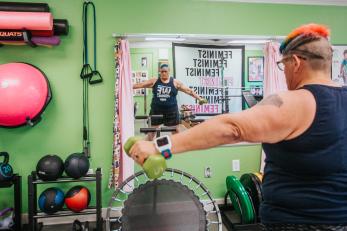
(301, 2)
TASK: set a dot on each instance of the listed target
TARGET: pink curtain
(126, 108)
(122, 165)
(274, 80)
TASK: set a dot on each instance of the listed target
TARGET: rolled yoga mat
(16, 33)
(40, 41)
(52, 41)
(15, 43)
(24, 7)
(26, 20)
(42, 33)
(60, 27)
(10, 35)
(23, 44)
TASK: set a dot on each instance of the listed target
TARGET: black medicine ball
(50, 167)
(76, 165)
(51, 200)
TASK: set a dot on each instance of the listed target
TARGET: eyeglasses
(280, 64)
(301, 54)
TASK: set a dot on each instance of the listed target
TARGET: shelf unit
(16, 182)
(35, 214)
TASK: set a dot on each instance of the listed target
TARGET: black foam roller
(24, 7)
(60, 26)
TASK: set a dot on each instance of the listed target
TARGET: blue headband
(164, 66)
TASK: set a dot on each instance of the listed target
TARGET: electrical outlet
(236, 165)
(208, 172)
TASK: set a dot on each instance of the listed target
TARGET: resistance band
(88, 75)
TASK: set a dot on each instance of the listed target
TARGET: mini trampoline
(177, 201)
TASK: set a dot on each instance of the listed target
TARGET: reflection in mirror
(180, 81)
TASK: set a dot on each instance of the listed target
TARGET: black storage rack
(35, 214)
(16, 182)
(233, 226)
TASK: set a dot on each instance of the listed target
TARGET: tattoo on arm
(274, 99)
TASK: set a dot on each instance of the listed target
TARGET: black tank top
(164, 94)
(305, 178)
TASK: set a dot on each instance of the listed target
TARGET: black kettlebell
(6, 171)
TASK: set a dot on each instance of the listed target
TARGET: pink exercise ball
(24, 94)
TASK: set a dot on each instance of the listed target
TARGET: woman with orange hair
(303, 132)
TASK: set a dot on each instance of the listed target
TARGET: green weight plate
(235, 202)
(252, 186)
(240, 199)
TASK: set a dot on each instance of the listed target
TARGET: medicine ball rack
(16, 182)
(35, 214)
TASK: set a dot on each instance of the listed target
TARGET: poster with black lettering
(213, 72)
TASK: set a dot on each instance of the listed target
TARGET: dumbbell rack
(16, 182)
(34, 214)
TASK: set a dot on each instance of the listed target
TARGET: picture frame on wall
(255, 69)
(339, 64)
(139, 77)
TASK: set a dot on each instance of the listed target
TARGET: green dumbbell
(203, 101)
(154, 166)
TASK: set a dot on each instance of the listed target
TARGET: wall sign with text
(207, 69)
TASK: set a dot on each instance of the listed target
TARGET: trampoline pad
(163, 205)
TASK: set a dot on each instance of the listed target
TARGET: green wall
(60, 130)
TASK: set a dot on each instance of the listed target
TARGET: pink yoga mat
(26, 20)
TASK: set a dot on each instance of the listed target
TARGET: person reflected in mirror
(164, 101)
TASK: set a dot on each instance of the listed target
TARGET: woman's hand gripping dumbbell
(153, 164)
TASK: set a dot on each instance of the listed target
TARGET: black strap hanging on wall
(88, 74)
